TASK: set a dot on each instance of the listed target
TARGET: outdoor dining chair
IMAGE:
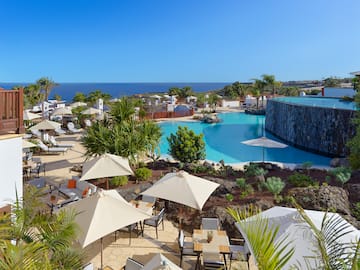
(131, 264)
(238, 251)
(212, 261)
(155, 221)
(210, 224)
(40, 167)
(186, 248)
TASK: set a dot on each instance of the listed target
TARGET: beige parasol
(30, 116)
(264, 143)
(90, 111)
(101, 214)
(183, 188)
(160, 262)
(62, 111)
(77, 104)
(106, 165)
(27, 144)
(46, 125)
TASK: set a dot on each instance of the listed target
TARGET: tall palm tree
(122, 110)
(46, 85)
(269, 81)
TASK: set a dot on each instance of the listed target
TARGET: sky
(177, 40)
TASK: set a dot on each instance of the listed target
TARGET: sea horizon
(117, 90)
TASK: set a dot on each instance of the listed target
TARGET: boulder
(322, 198)
(339, 162)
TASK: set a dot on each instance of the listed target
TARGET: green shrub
(143, 174)
(119, 181)
(251, 169)
(186, 146)
(300, 180)
(241, 183)
(229, 197)
(141, 164)
(356, 210)
(274, 184)
(342, 174)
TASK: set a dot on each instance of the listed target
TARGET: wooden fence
(158, 115)
(11, 111)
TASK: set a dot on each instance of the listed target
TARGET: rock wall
(320, 130)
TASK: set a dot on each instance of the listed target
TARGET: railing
(11, 111)
(157, 115)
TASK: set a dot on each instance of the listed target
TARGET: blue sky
(177, 41)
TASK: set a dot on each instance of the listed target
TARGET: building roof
(355, 73)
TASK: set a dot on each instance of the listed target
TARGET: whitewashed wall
(10, 169)
(230, 103)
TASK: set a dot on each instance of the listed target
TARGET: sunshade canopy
(46, 125)
(91, 111)
(30, 116)
(155, 96)
(183, 188)
(106, 165)
(62, 111)
(77, 104)
(159, 261)
(27, 144)
(103, 213)
(265, 142)
(298, 231)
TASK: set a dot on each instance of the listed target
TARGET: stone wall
(320, 130)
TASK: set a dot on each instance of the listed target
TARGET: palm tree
(46, 85)
(269, 81)
(261, 239)
(333, 254)
(32, 238)
(32, 95)
(122, 110)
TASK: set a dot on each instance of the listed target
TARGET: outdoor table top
(219, 243)
(143, 206)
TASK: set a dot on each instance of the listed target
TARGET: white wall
(230, 103)
(10, 168)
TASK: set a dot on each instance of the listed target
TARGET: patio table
(219, 244)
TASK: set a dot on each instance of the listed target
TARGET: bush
(186, 146)
(300, 180)
(241, 183)
(119, 181)
(229, 197)
(143, 174)
(275, 185)
(356, 210)
(342, 174)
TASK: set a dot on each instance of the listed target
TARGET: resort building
(11, 129)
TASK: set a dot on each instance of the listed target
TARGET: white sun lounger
(47, 149)
(60, 131)
(53, 141)
(72, 128)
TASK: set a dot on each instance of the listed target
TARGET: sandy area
(116, 252)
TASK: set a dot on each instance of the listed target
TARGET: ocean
(117, 90)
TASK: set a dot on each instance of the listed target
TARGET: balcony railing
(11, 111)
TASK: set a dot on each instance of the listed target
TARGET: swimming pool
(223, 141)
(334, 103)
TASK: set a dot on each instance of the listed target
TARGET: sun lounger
(53, 141)
(36, 133)
(72, 129)
(47, 149)
(59, 131)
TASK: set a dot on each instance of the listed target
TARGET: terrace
(11, 111)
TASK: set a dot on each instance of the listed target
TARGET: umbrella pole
(263, 153)
(101, 241)
(107, 183)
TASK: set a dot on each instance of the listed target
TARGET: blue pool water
(334, 103)
(223, 141)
